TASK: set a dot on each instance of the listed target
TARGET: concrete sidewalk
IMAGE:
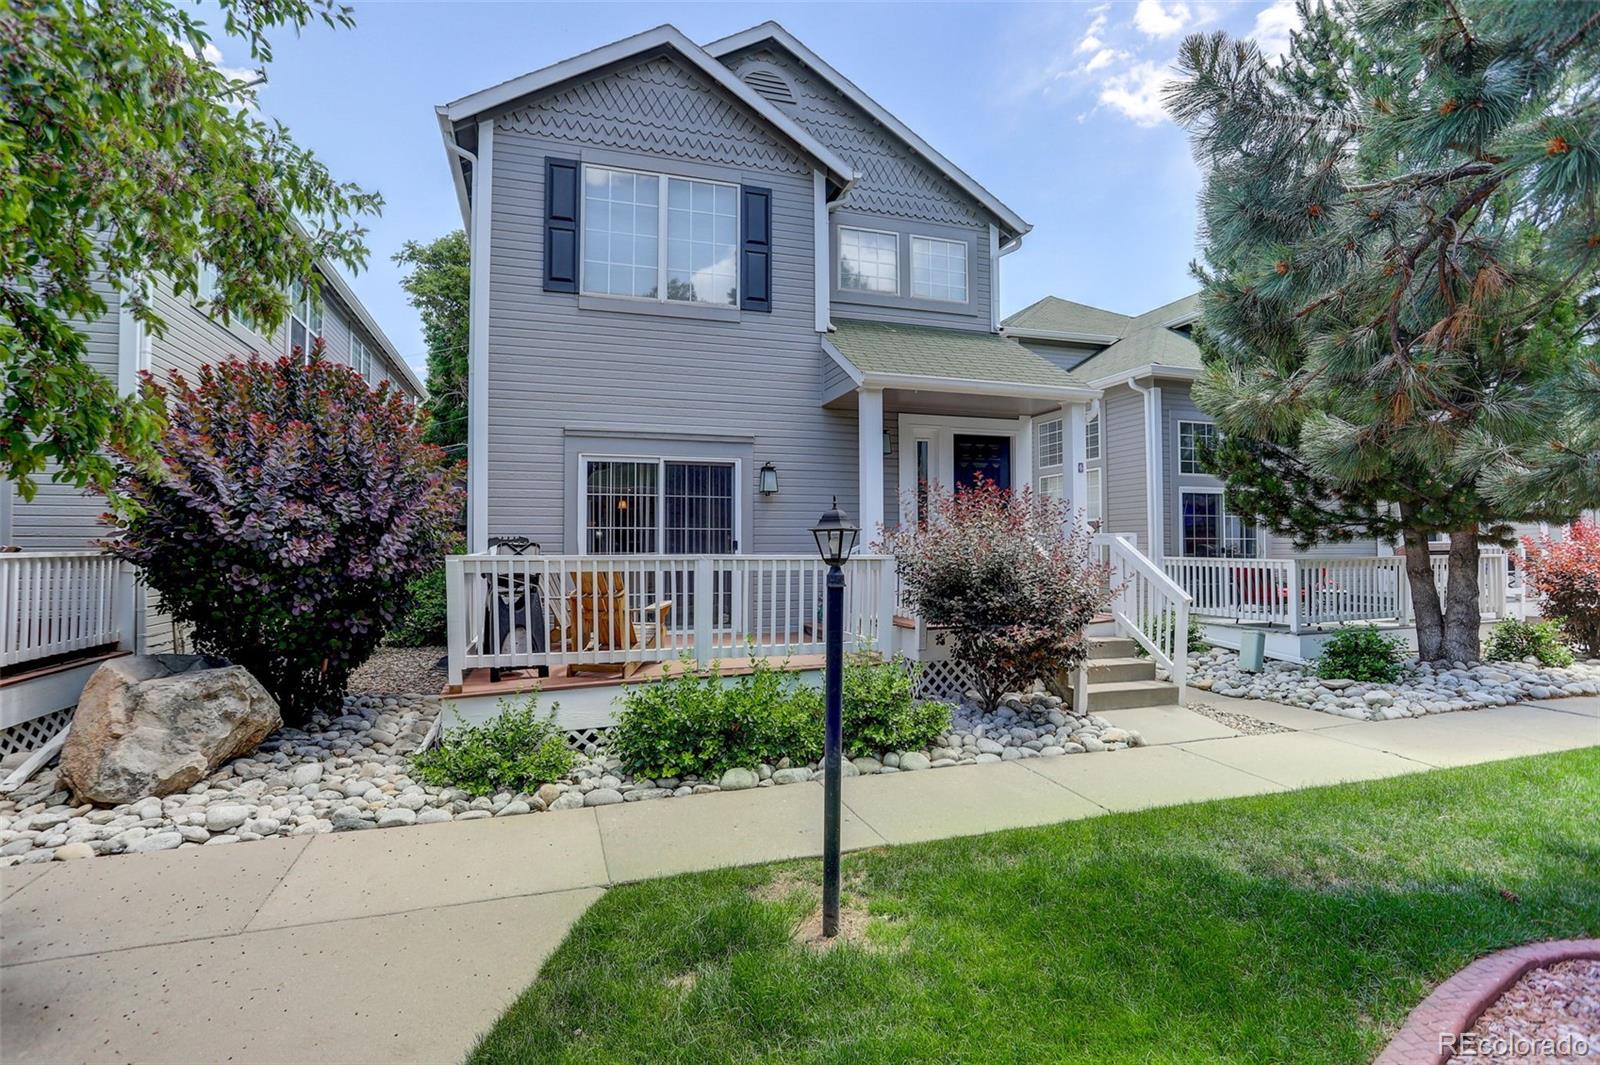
(402, 945)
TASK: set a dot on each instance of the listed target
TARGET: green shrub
(880, 713)
(1513, 640)
(1361, 654)
(423, 623)
(694, 724)
(515, 751)
(1164, 623)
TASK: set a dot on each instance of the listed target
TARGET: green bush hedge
(423, 622)
(697, 724)
(515, 751)
(1513, 640)
(1361, 654)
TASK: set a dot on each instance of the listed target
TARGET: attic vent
(770, 85)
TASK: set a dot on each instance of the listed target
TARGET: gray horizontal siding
(556, 368)
(1122, 418)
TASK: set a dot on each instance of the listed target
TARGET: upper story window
(360, 357)
(1193, 437)
(939, 269)
(1091, 445)
(869, 261)
(626, 213)
(305, 317)
(1050, 442)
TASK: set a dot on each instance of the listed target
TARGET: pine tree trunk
(1461, 617)
(1425, 610)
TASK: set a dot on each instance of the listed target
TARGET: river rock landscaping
(353, 772)
(1422, 688)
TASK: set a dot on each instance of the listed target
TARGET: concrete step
(1110, 647)
(1112, 670)
(1127, 694)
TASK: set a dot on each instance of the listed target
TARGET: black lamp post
(836, 538)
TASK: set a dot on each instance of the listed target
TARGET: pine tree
(1400, 244)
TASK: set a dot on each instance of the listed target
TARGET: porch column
(1076, 466)
(869, 459)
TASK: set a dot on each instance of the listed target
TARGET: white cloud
(1161, 20)
(1091, 37)
(1136, 92)
(213, 55)
(1272, 27)
(1102, 59)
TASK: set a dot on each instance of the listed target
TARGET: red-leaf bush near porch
(1010, 580)
(292, 505)
(1566, 574)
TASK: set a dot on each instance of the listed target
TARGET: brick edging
(1455, 1005)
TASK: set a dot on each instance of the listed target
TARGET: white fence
(1149, 606)
(57, 602)
(1308, 591)
(617, 611)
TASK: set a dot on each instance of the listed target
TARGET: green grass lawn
(1285, 928)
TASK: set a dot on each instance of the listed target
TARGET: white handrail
(1149, 606)
(57, 602)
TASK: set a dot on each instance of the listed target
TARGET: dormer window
(939, 269)
(869, 261)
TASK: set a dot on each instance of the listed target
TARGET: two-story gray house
(715, 287)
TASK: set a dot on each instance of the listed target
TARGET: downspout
(477, 385)
(1155, 486)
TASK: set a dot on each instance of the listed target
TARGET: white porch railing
(532, 611)
(1149, 606)
(57, 602)
(1321, 590)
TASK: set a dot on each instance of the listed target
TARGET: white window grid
(1052, 486)
(640, 227)
(869, 261)
(1091, 445)
(1093, 507)
(305, 317)
(1051, 443)
(939, 269)
(360, 357)
(1227, 536)
(1190, 436)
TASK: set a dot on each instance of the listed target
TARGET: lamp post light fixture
(836, 538)
(768, 482)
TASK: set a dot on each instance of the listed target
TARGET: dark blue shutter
(560, 225)
(755, 253)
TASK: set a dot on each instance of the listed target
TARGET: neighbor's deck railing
(57, 602)
(1308, 591)
(528, 611)
(1148, 605)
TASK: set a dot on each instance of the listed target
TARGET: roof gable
(1134, 346)
(771, 33)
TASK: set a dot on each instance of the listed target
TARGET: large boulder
(156, 724)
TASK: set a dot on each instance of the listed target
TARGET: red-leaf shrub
(1566, 574)
(1009, 585)
(292, 505)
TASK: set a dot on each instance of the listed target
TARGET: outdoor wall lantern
(836, 537)
(769, 480)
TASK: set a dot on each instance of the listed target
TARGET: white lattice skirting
(945, 681)
(31, 735)
(586, 740)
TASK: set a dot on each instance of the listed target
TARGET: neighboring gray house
(1144, 471)
(692, 264)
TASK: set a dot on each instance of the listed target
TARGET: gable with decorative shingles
(890, 178)
(658, 106)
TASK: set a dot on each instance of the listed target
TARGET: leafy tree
(1399, 225)
(126, 152)
(439, 285)
(291, 507)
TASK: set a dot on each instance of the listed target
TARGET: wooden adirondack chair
(598, 616)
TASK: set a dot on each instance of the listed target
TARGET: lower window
(1209, 531)
(1092, 507)
(659, 506)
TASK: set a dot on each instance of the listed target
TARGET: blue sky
(1054, 107)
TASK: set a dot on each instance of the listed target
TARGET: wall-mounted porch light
(769, 480)
(887, 446)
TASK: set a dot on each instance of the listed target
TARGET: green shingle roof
(960, 354)
(1055, 315)
(1143, 340)
(1153, 345)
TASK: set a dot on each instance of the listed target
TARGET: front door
(977, 456)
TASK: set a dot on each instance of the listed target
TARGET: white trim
(478, 344)
(1178, 445)
(1154, 369)
(580, 491)
(1154, 482)
(663, 236)
(966, 268)
(940, 431)
(773, 31)
(507, 92)
(454, 154)
(994, 278)
(1067, 335)
(1077, 420)
(1222, 519)
(821, 253)
(843, 363)
(839, 259)
(969, 386)
(869, 461)
(132, 348)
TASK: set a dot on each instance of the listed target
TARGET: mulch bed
(401, 671)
